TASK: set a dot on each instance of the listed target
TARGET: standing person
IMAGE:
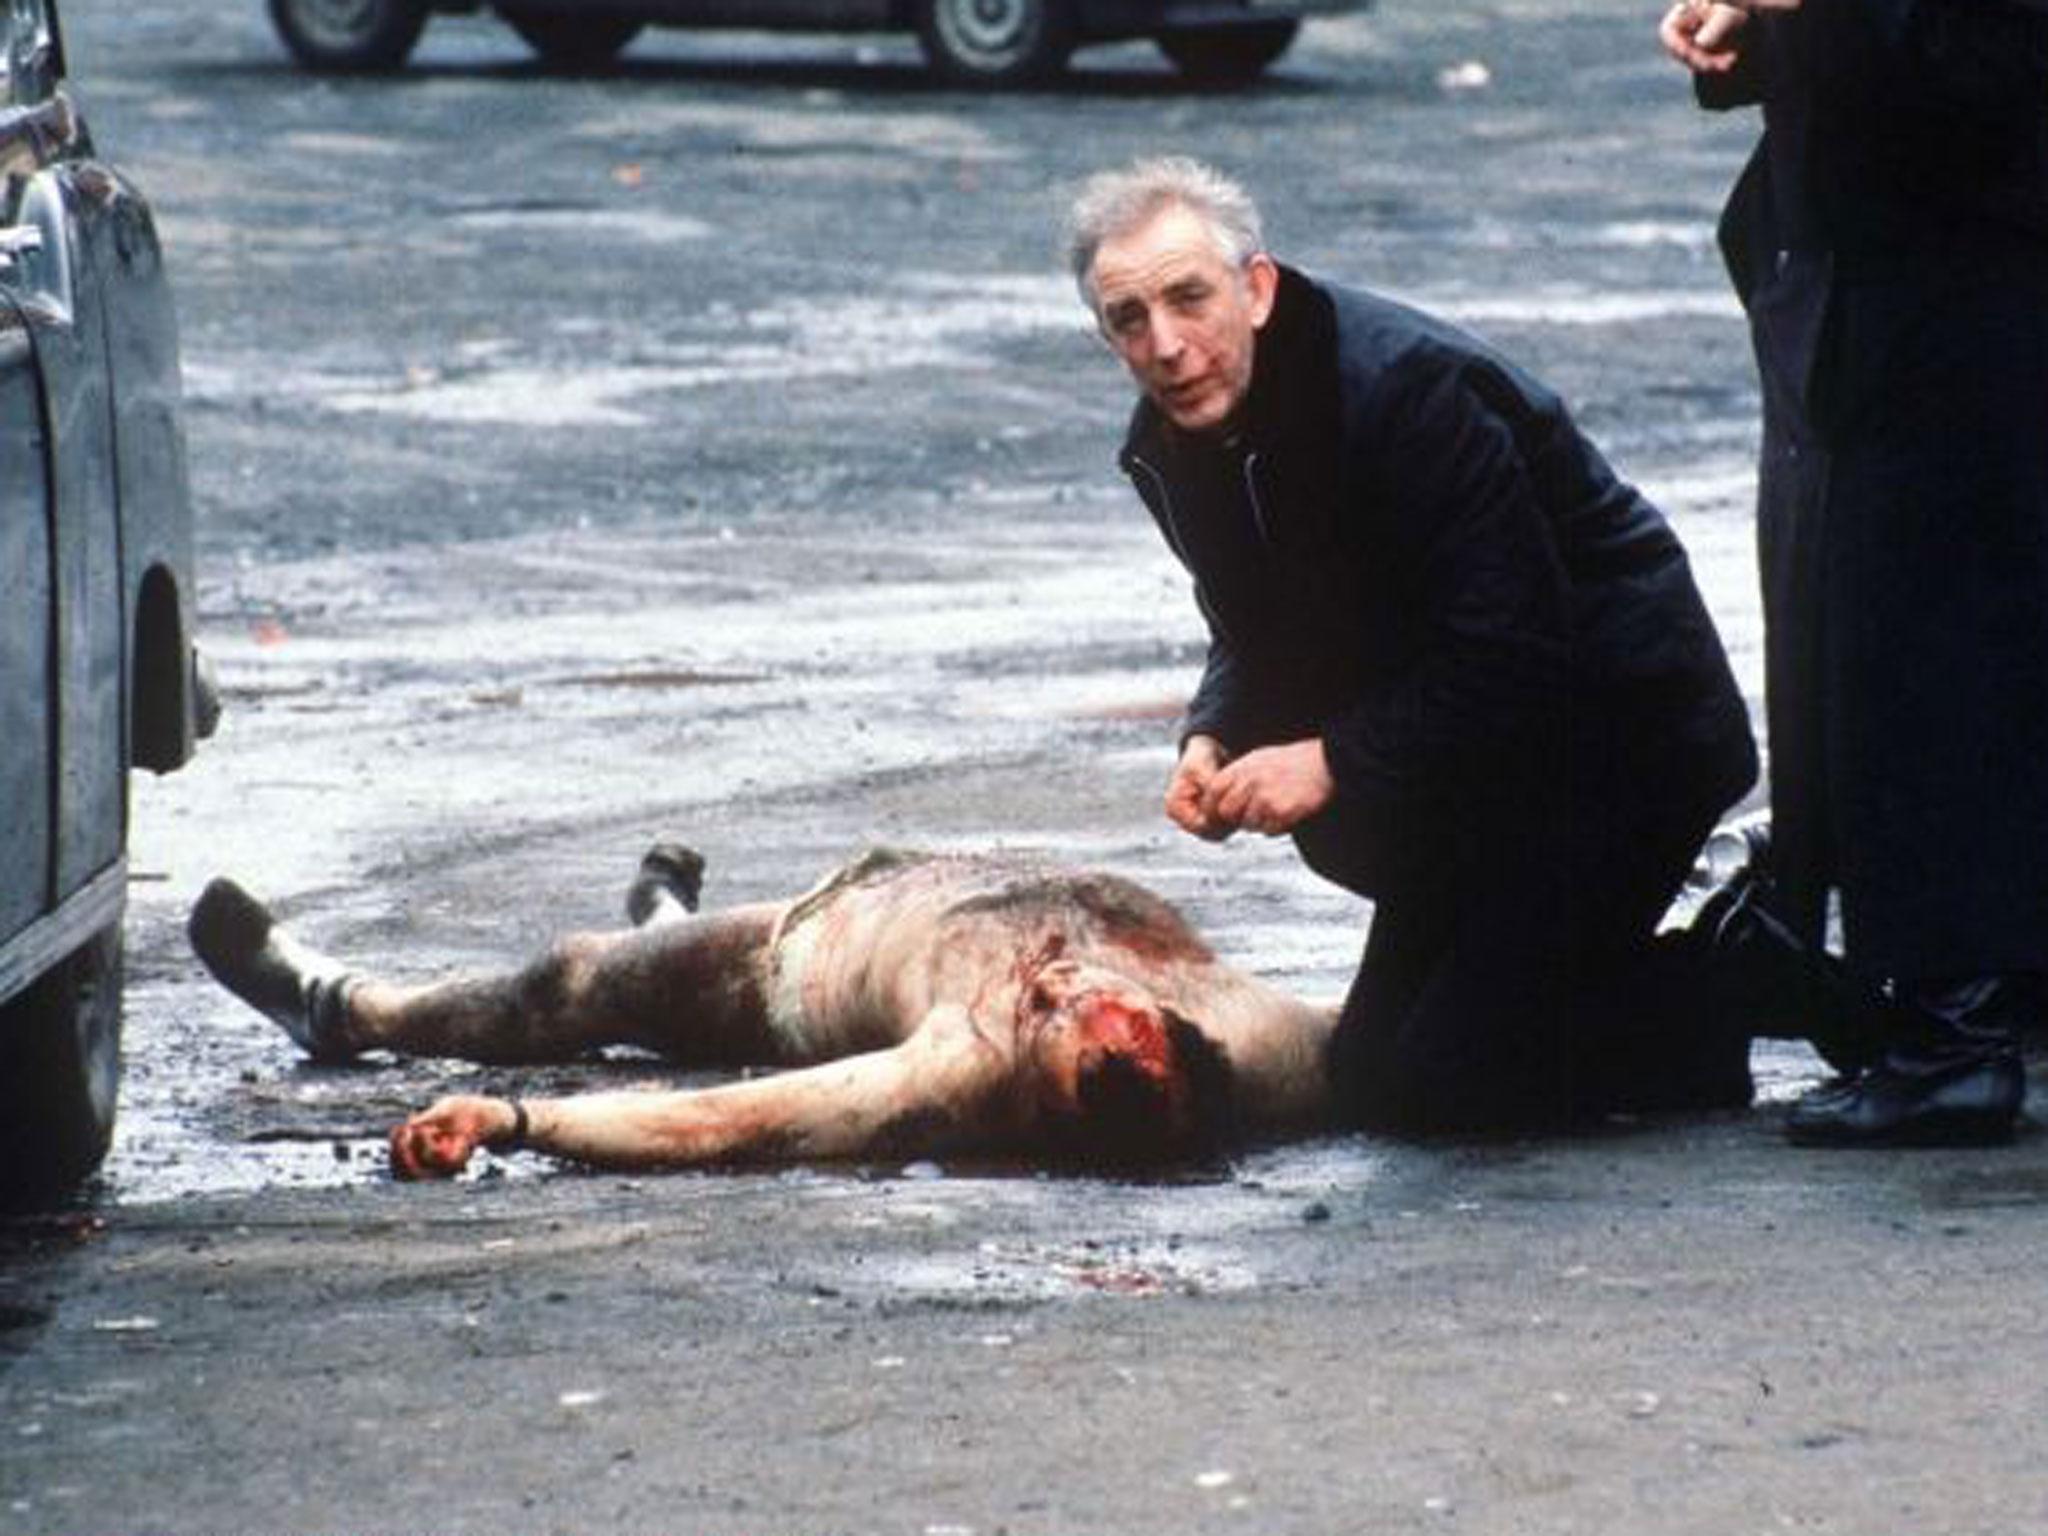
(1889, 240)
(1454, 656)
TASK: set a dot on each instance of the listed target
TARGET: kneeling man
(1451, 653)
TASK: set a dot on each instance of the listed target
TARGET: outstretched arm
(942, 1090)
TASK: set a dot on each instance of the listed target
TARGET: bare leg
(692, 989)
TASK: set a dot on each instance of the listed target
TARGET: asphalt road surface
(713, 448)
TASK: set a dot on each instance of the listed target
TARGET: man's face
(1182, 317)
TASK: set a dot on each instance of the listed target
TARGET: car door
(56, 209)
(27, 717)
(27, 599)
(96, 665)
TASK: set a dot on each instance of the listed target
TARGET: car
(967, 42)
(98, 674)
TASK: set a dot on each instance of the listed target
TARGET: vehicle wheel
(995, 42)
(349, 35)
(571, 41)
(1228, 55)
(60, 1072)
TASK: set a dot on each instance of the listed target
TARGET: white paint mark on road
(1578, 306)
(581, 225)
(916, 322)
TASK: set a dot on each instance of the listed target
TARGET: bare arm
(942, 1089)
(1277, 1045)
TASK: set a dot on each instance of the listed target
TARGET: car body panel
(95, 514)
(26, 617)
(68, 332)
(1095, 20)
(156, 556)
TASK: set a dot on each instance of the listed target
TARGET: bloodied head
(1120, 1077)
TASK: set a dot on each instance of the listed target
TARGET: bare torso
(860, 961)
(923, 1003)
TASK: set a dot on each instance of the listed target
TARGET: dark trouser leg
(1762, 976)
(1647, 1027)
(1432, 1041)
(1426, 1043)
(1524, 988)
(1927, 703)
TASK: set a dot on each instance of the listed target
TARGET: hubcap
(338, 23)
(987, 27)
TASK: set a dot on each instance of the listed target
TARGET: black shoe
(667, 871)
(1909, 1100)
(1952, 1075)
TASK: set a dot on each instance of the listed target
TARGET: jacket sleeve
(1492, 601)
(1968, 52)
(1225, 702)
(1974, 56)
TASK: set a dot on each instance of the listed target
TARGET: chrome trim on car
(32, 137)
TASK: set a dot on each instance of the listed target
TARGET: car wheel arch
(161, 676)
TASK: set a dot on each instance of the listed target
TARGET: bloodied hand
(437, 1142)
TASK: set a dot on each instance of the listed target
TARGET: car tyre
(349, 36)
(573, 41)
(996, 42)
(60, 1073)
(1230, 55)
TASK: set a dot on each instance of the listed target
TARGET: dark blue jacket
(1407, 548)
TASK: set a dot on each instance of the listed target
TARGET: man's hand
(437, 1142)
(1272, 790)
(1200, 761)
(1705, 35)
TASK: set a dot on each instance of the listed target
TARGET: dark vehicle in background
(970, 42)
(97, 670)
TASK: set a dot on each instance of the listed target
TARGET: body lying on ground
(919, 1005)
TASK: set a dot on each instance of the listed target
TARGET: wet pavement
(716, 444)
(711, 448)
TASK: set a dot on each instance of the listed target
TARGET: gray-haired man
(1454, 656)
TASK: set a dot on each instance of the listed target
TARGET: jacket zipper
(1178, 544)
(1251, 494)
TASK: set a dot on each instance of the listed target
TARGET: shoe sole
(1955, 1128)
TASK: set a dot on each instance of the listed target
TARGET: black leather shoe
(1951, 1076)
(1917, 1098)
